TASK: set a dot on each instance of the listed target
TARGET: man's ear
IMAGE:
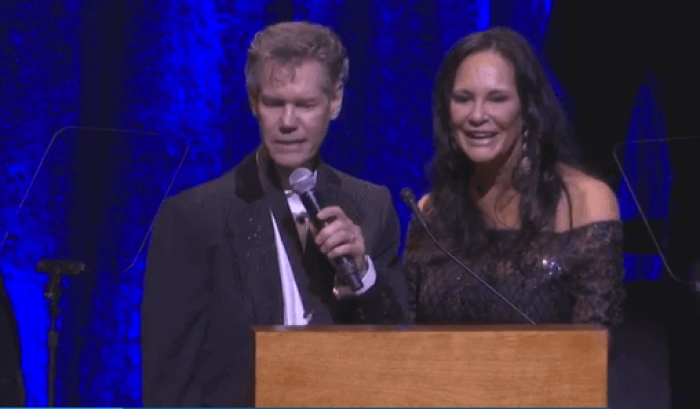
(253, 96)
(337, 101)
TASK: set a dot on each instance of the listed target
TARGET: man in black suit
(11, 387)
(238, 251)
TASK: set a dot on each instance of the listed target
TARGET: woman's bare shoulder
(592, 200)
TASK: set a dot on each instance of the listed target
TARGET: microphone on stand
(303, 183)
(410, 199)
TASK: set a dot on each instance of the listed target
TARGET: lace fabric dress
(562, 277)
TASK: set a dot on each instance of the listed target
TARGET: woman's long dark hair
(548, 142)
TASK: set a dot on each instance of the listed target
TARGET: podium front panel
(431, 366)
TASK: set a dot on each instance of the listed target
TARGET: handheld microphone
(303, 183)
(410, 199)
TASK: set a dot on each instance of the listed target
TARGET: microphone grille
(407, 195)
(302, 180)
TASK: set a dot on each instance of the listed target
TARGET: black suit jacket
(212, 271)
(11, 387)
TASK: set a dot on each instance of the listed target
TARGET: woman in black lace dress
(509, 200)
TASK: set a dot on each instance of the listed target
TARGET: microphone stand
(55, 269)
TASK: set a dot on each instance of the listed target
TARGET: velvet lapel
(254, 244)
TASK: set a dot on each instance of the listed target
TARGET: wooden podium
(431, 366)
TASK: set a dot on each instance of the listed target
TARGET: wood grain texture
(450, 366)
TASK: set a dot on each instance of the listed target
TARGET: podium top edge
(431, 328)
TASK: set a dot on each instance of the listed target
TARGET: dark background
(624, 70)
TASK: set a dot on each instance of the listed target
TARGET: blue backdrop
(176, 67)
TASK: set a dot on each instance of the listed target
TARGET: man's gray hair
(293, 43)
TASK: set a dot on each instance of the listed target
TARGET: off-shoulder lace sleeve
(597, 273)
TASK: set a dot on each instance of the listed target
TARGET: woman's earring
(525, 161)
